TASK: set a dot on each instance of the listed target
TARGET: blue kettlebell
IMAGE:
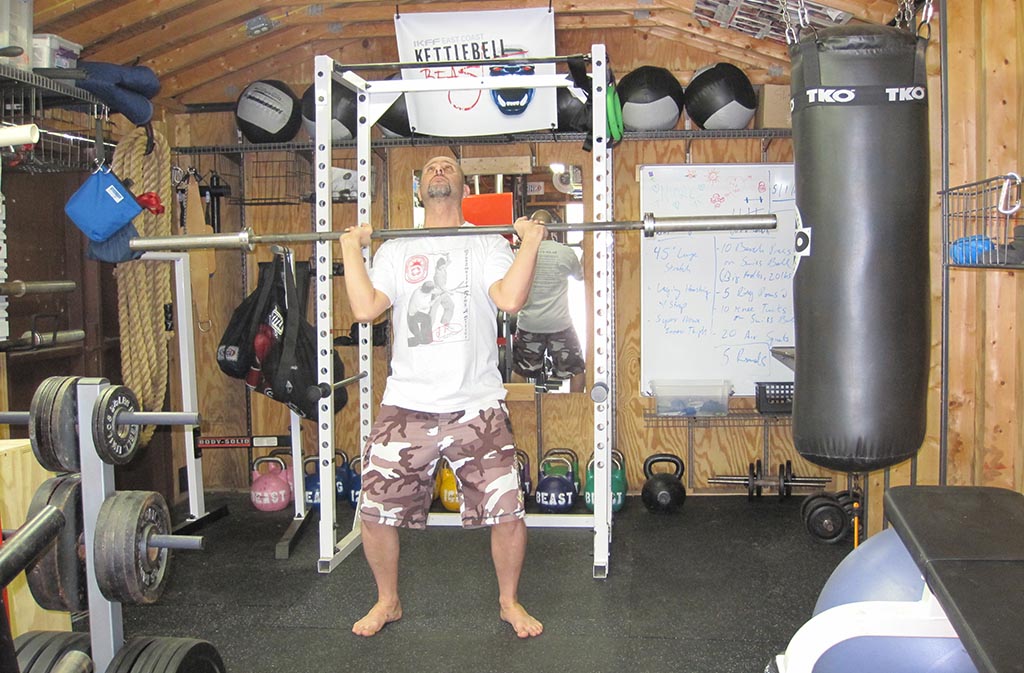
(341, 476)
(355, 484)
(311, 483)
(556, 492)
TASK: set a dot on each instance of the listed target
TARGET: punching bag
(861, 287)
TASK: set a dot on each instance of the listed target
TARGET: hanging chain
(792, 34)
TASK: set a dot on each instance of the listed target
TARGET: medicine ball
(394, 123)
(721, 97)
(882, 569)
(652, 99)
(343, 112)
(573, 112)
(268, 112)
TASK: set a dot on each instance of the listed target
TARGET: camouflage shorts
(402, 454)
(529, 349)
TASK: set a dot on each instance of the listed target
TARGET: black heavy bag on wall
(861, 288)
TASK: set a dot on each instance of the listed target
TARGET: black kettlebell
(663, 493)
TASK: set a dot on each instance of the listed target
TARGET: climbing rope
(144, 288)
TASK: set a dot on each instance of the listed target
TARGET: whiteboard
(714, 304)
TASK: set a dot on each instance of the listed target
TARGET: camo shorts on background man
(402, 454)
(529, 348)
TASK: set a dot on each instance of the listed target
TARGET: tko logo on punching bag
(899, 94)
(831, 95)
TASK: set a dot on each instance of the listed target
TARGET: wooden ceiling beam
(228, 84)
(734, 44)
(253, 60)
(124, 20)
(872, 11)
(720, 51)
(181, 30)
(55, 16)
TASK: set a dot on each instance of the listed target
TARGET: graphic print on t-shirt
(438, 305)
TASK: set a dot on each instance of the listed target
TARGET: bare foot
(525, 625)
(379, 615)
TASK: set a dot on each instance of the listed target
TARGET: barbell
(247, 239)
(785, 480)
(53, 430)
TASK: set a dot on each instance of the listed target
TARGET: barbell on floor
(247, 239)
(116, 423)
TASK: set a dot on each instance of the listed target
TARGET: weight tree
(373, 99)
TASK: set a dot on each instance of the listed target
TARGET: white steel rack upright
(373, 99)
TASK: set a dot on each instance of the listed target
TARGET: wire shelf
(734, 419)
(983, 226)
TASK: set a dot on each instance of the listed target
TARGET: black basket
(774, 397)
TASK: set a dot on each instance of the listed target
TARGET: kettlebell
(618, 483)
(341, 476)
(286, 474)
(663, 493)
(574, 465)
(449, 488)
(525, 476)
(556, 493)
(311, 482)
(269, 492)
(355, 483)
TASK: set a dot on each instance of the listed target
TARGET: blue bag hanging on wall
(102, 205)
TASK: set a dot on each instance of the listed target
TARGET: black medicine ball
(652, 99)
(721, 97)
(268, 112)
(343, 112)
(574, 114)
(394, 123)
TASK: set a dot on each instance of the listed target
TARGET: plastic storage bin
(53, 51)
(691, 397)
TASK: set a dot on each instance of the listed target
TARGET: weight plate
(782, 482)
(789, 478)
(155, 657)
(43, 652)
(126, 657)
(127, 569)
(57, 577)
(827, 522)
(807, 501)
(115, 444)
(54, 649)
(760, 476)
(751, 481)
(195, 656)
(38, 425)
(24, 639)
(62, 423)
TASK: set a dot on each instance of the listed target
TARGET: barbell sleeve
(324, 390)
(15, 418)
(247, 239)
(19, 288)
(190, 542)
(157, 418)
(30, 541)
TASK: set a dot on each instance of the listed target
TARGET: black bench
(968, 542)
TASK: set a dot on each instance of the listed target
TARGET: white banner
(472, 36)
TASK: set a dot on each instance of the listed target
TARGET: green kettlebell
(618, 482)
(574, 465)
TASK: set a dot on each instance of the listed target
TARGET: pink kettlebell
(286, 474)
(269, 491)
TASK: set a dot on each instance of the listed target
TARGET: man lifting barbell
(444, 396)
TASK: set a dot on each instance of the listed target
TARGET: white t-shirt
(445, 353)
(547, 308)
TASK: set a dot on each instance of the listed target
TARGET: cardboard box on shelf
(773, 107)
